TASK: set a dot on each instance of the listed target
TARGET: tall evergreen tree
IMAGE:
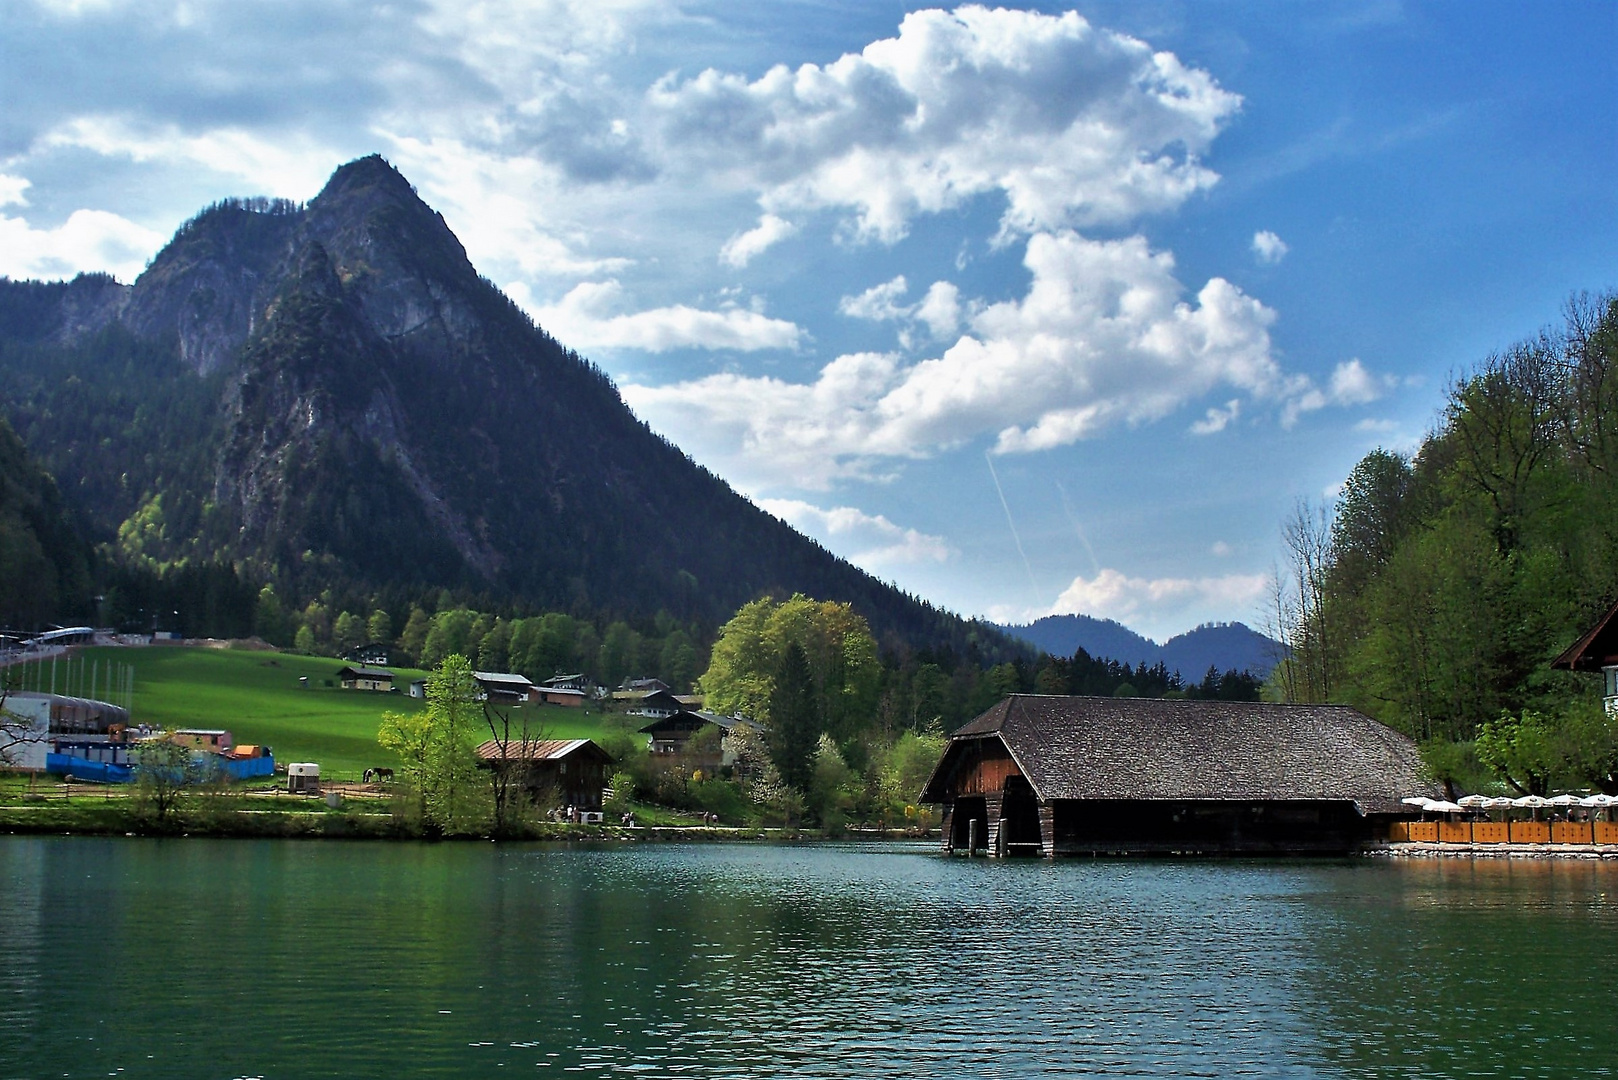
(794, 718)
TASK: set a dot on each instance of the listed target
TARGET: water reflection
(293, 959)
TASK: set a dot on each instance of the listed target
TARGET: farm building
(672, 734)
(573, 772)
(35, 718)
(364, 677)
(502, 687)
(1042, 775)
(557, 695)
(372, 654)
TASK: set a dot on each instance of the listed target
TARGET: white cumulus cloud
(870, 541)
(88, 240)
(1105, 336)
(1071, 125)
(1269, 248)
(11, 190)
(1158, 602)
(1217, 419)
(879, 303)
(583, 319)
(741, 249)
(1350, 384)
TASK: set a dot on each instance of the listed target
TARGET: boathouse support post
(1047, 830)
(947, 828)
(993, 813)
(972, 836)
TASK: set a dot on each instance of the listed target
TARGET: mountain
(1223, 646)
(44, 565)
(1063, 635)
(330, 397)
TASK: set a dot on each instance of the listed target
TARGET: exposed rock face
(386, 416)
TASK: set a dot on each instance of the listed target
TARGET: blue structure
(109, 763)
(79, 768)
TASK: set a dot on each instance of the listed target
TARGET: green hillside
(257, 697)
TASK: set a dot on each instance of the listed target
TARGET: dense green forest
(44, 565)
(1437, 590)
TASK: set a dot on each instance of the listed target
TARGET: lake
(202, 958)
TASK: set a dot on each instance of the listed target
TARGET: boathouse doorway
(1019, 818)
(969, 824)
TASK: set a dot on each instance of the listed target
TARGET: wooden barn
(1042, 775)
(573, 771)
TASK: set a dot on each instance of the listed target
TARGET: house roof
(505, 680)
(693, 719)
(1153, 749)
(363, 671)
(558, 679)
(540, 750)
(1597, 648)
(561, 690)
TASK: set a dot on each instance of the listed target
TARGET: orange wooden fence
(1501, 832)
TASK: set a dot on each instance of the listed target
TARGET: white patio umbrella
(1474, 802)
(1565, 800)
(1416, 800)
(1600, 801)
(1499, 804)
(1442, 807)
(1533, 803)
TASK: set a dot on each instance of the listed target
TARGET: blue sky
(1026, 310)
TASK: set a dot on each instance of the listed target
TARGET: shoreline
(1422, 849)
(110, 817)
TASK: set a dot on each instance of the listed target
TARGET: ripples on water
(283, 959)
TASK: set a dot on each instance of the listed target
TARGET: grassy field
(257, 696)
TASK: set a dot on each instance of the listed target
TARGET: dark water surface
(197, 958)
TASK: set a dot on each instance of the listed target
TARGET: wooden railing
(1503, 832)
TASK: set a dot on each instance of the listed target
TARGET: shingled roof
(539, 750)
(1150, 749)
(1597, 648)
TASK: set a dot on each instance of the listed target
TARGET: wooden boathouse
(1046, 775)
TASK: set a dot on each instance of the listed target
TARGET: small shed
(213, 740)
(365, 677)
(574, 769)
(1048, 775)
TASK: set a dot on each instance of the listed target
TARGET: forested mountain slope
(329, 397)
(44, 565)
(1223, 646)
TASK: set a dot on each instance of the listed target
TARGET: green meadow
(258, 698)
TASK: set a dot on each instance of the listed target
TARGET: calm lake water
(197, 958)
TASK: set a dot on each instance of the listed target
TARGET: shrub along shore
(50, 807)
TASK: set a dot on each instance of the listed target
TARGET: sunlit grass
(257, 697)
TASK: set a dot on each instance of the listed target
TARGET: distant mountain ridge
(1223, 646)
(330, 397)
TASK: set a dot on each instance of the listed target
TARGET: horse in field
(380, 775)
